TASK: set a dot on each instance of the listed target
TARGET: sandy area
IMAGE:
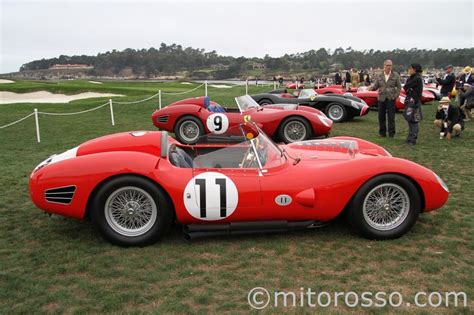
(187, 83)
(47, 97)
(95, 82)
(3, 81)
(221, 86)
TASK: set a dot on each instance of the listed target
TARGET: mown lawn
(56, 265)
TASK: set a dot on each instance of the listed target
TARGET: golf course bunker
(3, 81)
(221, 86)
(47, 97)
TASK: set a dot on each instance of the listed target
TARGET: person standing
(337, 79)
(412, 114)
(355, 78)
(465, 78)
(467, 94)
(348, 80)
(389, 86)
(447, 81)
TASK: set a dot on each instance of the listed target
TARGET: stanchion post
(159, 99)
(38, 138)
(246, 87)
(111, 112)
(205, 88)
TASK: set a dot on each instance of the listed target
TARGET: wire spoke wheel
(130, 211)
(189, 131)
(335, 112)
(386, 206)
(295, 131)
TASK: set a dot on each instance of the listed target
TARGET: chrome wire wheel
(386, 206)
(130, 211)
(336, 112)
(295, 131)
(189, 131)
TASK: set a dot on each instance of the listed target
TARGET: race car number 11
(210, 196)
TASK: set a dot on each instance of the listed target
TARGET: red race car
(134, 185)
(191, 118)
(370, 97)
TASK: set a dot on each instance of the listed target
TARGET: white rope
(75, 113)
(140, 101)
(16, 122)
(178, 93)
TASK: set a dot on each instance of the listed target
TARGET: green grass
(56, 265)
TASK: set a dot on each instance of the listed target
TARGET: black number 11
(201, 182)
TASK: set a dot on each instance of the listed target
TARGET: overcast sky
(33, 30)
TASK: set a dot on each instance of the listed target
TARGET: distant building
(71, 66)
(257, 65)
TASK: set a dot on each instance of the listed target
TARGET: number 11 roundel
(211, 196)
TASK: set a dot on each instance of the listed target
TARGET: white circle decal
(217, 123)
(211, 196)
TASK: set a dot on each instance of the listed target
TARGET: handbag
(412, 112)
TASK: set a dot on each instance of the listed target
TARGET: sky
(32, 30)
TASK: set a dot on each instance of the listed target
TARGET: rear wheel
(265, 101)
(294, 129)
(336, 112)
(188, 129)
(385, 207)
(131, 211)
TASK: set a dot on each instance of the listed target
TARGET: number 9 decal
(211, 196)
(217, 123)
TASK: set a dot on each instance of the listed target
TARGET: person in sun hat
(465, 77)
(447, 81)
(448, 119)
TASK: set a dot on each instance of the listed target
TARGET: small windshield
(246, 102)
(236, 150)
(307, 93)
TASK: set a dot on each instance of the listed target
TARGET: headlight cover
(69, 154)
(441, 182)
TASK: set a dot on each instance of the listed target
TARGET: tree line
(174, 59)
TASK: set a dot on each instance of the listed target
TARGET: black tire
(298, 122)
(336, 112)
(358, 212)
(107, 222)
(265, 101)
(191, 121)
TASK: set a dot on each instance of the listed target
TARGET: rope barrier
(16, 122)
(140, 101)
(75, 113)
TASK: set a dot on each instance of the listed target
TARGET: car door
(223, 186)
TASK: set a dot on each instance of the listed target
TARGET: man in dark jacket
(337, 79)
(466, 77)
(466, 93)
(447, 81)
(448, 119)
(413, 88)
(389, 86)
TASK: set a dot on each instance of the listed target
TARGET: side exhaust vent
(62, 195)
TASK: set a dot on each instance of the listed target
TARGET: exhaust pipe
(195, 231)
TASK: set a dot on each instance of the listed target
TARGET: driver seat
(178, 157)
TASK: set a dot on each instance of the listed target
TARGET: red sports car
(191, 118)
(370, 97)
(134, 185)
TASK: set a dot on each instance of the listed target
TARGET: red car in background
(191, 118)
(370, 97)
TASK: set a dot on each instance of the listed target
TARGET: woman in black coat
(413, 89)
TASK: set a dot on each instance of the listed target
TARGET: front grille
(62, 195)
(162, 119)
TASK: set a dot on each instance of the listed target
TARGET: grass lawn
(55, 265)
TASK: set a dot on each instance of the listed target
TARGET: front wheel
(188, 129)
(294, 129)
(386, 207)
(336, 112)
(264, 102)
(131, 211)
